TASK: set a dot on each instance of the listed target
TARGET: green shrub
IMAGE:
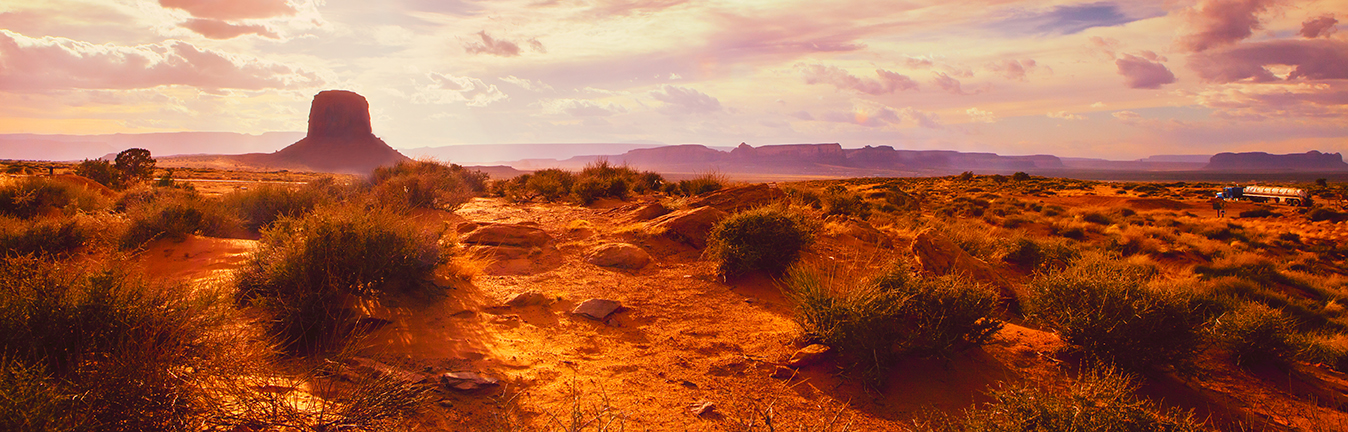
(551, 184)
(37, 196)
(1105, 309)
(101, 171)
(767, 238)
(1258, 213)
(589, 189)
(426, 184)
(837, 200)
(1255, 333)
(1327, 349)
(705, 183)
(265, 203)
(308, 270)
(1102, 401)
(100, 351)
(175, 219)
(1324, 214)
(875, 322)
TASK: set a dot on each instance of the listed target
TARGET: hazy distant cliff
(1260, 161)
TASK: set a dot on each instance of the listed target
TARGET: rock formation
(1260, 161)
(340, 138)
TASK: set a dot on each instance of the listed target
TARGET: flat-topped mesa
(339, 113)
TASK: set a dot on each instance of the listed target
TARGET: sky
(1104, 79)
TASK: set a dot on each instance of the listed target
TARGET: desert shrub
(261, 205)
(804, 197)
(1071, 232)
(1053, 210)
(100, 171)
(1035, 255)
(589, 189)
(36, 196)
(647, 181)
(426, 184)
(1020, 176)
(101, 351)
(872, 323)
(699, 185)
(176, 217)
(837, 200)
(1255, 333)
(1097, 218)
(1327, 349)
(1102, 401)
(1258, 213)
(308, 270)
(1105, 309)
(1324, 214)
(44, 237)
(767, 238)
(550, 184)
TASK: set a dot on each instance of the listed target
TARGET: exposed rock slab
(689, 226)
(598, 309)
(526, 299)
(740, 198)
(466, 381)
(865, 232)
(518, 235)
(939, 256)
(619, 255)
(649, 211)
(809, 355)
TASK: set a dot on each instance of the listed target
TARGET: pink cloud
(887, 82)
(1315, 59)
(1222, 22)
(52, 63)
(683, 100)
(951, 85)
(489, 45)
(216, 29)
(1013, 69)
(1321, 26)
(1142, 73)
(632, 7)
(1264, 101)
(231, 9)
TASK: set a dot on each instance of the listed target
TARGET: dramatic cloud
(1315, 59)
(981, 116)
(887, 82)
(1013, 69)
(216, 29)
(582, 107)
(1066, 19)
(445, 89)
(31, 65)
(231, 9)
(683, 100)
(1322, 26)
(1141, 73)
(1064, 115)
(1215, 23)
(492, 46)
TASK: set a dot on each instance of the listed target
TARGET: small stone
(703, 409)
(809, 355)
(687, 383)
(598, 309)
(783, 372)
(466, 381)
(527, 298)
(620, 255)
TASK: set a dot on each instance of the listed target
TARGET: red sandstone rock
(340, 138)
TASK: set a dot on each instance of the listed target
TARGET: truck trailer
(1284, 195)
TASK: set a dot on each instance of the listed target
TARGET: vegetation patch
(767, 238)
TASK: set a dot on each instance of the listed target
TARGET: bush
(265, 203)
(307, 271)
(100, 171)
(589, 189)
(705, 183)
(99, 351)
(1102, 401)
(1034, 255)
(767, 238)
(1255, 334)
(426, 184)
(1104, 309)
(837, 200)
(1258, 213)
(1096, 218)
(47, 237)
(30, 197)
(176, 217)
(875, 322)
(551, 184)
(1324, 214)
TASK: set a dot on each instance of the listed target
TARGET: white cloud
(446, 89)
(981, 116)
(1064, 115)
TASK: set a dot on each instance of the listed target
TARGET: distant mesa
(340, 138)
(1260, 161)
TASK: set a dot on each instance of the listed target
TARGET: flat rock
(865, 232)
(527, 298)
(598, 309)
(740, 198)
(809, 355)
(649, 211)
(519, 235)
(619, 255)
(466, 381)
(939, 256)
(689, 226)
(356, 367)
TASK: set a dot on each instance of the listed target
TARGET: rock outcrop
(689, 226)
(340, 138)
(1313, 161)
(736, 199)
(619, 255)
(940, 256)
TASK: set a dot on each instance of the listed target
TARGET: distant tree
(135, 164)
(1020, 176)
(100, 171)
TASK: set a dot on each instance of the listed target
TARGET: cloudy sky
(1120, 79)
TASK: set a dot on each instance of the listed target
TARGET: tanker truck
(1285, 195)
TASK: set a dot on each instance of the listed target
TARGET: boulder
(598, 309)
(865, 232)
(619, 255)
(740, 198)
(689, 226)
(809, 355)
(466, 381)
(527, 298)
(649, 211)
(939, 256)
(506, 235)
